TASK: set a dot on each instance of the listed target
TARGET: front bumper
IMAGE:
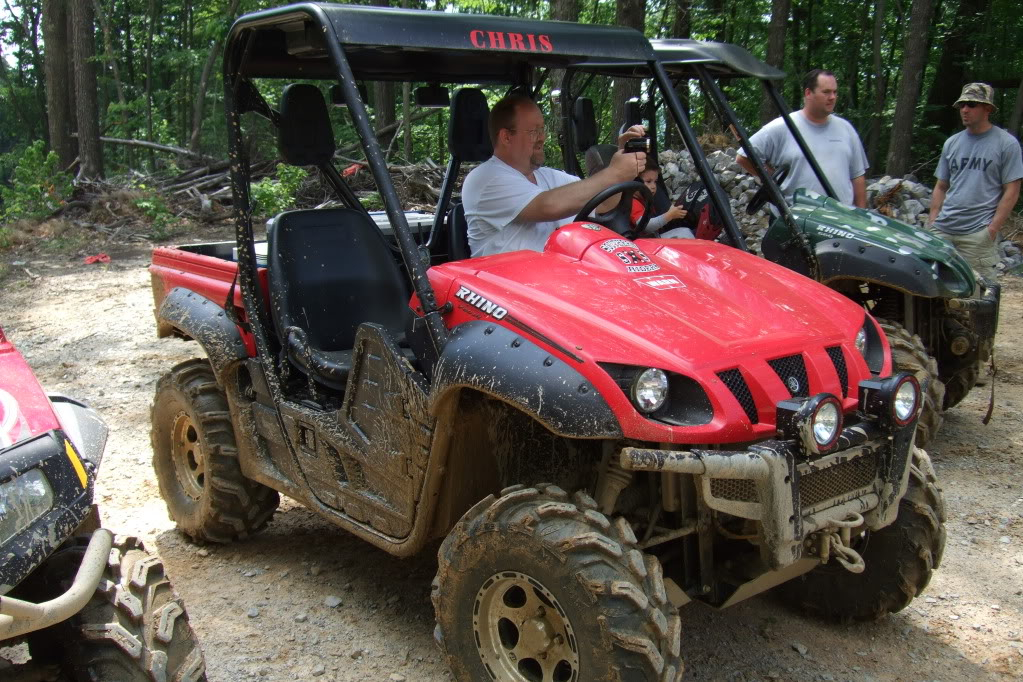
(982, 310)
(19, 617)
(790, 494)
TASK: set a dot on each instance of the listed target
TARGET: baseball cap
(976, 92)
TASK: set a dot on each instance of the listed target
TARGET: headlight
(826, 421)
(650, 390)
(816, 422)
(904, 404)
(868, 343)
(894, 401)
(22, 501)
(861, 342)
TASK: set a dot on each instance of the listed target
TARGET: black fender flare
(502, 363)
(189, 314)
(852, 259)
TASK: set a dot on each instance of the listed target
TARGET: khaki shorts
(977, 248)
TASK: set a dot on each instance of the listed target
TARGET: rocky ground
(304, 600)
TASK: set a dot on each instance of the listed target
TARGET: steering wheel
(619, 218)
(760, 198)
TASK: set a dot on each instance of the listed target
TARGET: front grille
(840, 479)
(792, 373)
(734, 489)
(838, 360)
(732, 378)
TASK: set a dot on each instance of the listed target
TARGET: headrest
(468, 135)
(597, 157)
(305, 137)
(584, 123)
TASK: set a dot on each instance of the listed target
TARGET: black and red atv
(78, 603)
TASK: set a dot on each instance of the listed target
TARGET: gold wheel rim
(189, 456)
(522, 633)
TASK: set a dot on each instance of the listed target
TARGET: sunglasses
(970, 105)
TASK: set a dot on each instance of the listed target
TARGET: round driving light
(904, 403)
(826, 422)
(861, 341)
(650, 390)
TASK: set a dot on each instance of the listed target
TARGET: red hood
(25, 410)
(690, 306)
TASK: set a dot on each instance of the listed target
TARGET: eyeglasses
(970, 105)
(534, 133)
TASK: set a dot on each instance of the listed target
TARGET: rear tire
(196, 459)
(134, 629)
(534, 586)
(910, 355)
(899, 558)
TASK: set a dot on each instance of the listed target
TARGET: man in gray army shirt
(978, 181)
(832, 140)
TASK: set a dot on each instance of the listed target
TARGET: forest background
(103, 83)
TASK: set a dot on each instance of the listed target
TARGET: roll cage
(352, 44)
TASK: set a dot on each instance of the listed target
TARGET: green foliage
(270, 197)
(38, 186)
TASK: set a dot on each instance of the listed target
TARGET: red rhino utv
(600, 432)
(88, 605)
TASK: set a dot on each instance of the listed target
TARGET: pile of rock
(679, 171)
(904, 199)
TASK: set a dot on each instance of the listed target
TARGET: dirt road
(306, 601)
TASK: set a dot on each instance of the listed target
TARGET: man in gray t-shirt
(832, 140)
(978, 181)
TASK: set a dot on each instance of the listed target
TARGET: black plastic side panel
(207, 323)
(851, 259)
(499, 362)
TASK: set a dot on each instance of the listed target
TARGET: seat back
(458, 233)
(305, 136)
(330, 271)
(468, 140)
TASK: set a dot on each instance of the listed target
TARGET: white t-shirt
(494, 194)
(835, 144)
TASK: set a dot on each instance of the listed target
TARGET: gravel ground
(304, 600)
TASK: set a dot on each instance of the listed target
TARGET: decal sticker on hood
(661, 282)
(485, 305)
(629, 254)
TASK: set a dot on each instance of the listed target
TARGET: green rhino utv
(939, 315)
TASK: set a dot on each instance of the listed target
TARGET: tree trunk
(681, 27)
(58, 81)
(90, 152)
(775, 50)
(630, 14)
(204, 81)
(951, 74)
(880, 86)
(1017, 112)
(149, 79)
(383, 100)
(109, 50)
(913, 64)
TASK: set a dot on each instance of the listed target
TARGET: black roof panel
(385, 43)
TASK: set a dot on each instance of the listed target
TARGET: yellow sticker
(76, 463)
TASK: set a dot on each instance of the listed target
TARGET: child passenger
(649, 178)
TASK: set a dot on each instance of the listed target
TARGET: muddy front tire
(134, 628)
(910, 355)
(535, 586)
(900, 559)
(196, 459)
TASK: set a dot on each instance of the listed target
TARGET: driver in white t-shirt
(512, 201)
